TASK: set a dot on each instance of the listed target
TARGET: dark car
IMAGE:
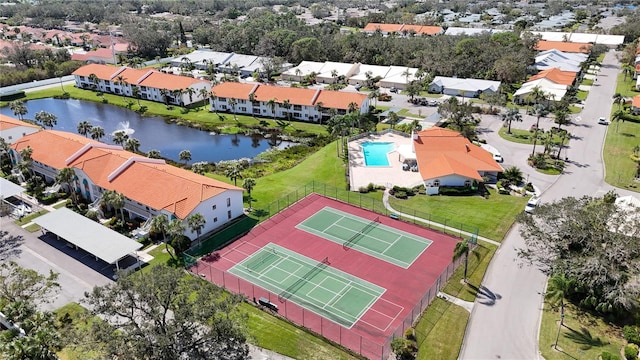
(394, 90)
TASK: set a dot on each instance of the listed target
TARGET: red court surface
(408, 291)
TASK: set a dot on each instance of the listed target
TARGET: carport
(8, 189)
(88, 235)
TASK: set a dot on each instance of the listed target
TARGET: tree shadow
(484, 296)
(627, 134)
(584, 338)
(9, 245)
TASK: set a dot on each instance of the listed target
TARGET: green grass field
(493, 216)
(584, 336)
(626, 88)
(621, 138)
(525, 137)
(440, 330)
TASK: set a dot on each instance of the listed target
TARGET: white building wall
(449, 180)
(217, 211)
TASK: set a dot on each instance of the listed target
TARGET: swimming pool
(375, 153)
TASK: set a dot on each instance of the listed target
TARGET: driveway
(506, 326)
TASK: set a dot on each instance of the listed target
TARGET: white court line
(390, 321)
(393, 243)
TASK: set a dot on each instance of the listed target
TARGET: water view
(152, 132)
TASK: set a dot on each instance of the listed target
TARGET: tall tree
(561, 118)
(234, 171)
(121, 81)
(248, 184)
(159, 224)
(154, 154)
(509, 116)
(46, 119)
(462, 248)
(120, 137)
(135, 91)
(184, 318)
(19, 109)
(132, 144)
(175, 231)
(65, 176)
(196, 222)
(539, 111)
(84, 128)
(97, 133)
(618, 99)
(185, 155)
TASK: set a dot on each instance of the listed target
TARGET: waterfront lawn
(270, 332)
(493, 216)
(584, 335)
(619, 143)
(198, 116)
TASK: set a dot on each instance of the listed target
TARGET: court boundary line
(368, 288)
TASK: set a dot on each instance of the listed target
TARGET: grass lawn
(479, 260)
(61, 205)
(493, 217)
(621, 138)
(76, 314)
(584, 336)
(405, 112)
(524, 136)
(27, 219)
(160, 256)
(626, 88)
(199, 116)
(440, 331)
(33, 228)
(582, 95)
(585, 81)
(271, 333)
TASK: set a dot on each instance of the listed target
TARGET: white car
(498, 158)
(531, 204)
(602, 121)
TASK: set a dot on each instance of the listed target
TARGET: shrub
(608, 356)
(92, 214)
(631, 334)
(401, 194)
(363, 190)
(371, 187)
(631, 351)
(409, 335)
(105, 101)
(529, 187)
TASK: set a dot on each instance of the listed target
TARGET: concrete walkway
(385, 201)
(467, 305)
(258, 353)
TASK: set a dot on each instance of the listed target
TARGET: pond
(152, 132)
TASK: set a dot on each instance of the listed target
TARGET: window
(296, 114)
(243, 109)
(11, 137)
(213, 207)
(256, 111)
(221, 99)
(229, 214)
(215, 219)
(81, 78)
(228, 202)
(297, 107)
(436, 182)
(467, 183)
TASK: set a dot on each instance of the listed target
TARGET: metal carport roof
(90, 236)
(8, 189)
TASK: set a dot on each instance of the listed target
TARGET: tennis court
(327, 291)
(368, 236)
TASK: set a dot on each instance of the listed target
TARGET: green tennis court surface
(317, 286)
(370, 237)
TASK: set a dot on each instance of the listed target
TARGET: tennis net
(269, 256)
(357, 236)
(289, 291)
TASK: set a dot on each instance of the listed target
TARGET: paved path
(467, 305)
(505, 324)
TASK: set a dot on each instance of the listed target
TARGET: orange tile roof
(104, 72)
(442, 152)
(638, 67)
(422, 30)
(339, 99)
(296, 96)
(233, 90)
(176, 190)
(372, 27)
(103, 53)
(635, 102)
(155, 79)
(574, 47)
(7, 122)
(557, 76)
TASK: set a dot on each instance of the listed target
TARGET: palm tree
(204, 94)
(511, 115)
(374, 95)
(618, 99)
(232, 104)
(286, 103)
(164, 93)
(120, 137)
(185, 155)
(18, 108)
(97, 133)
(234, 172)
(47, 119)
(564, 136)
(617, 117)
(627, 69)
(248, 184)
(84, 128)
(65, 177)
(318, 108)
(159, 224)
(190, 92)
(462, 248)
(122, 82)
(135, 91)
(196, 223)
(272, 103)
(334, 75)
(154, 154)
(175, 228)
(118, 202)
(561, 117)
(539, 111)
(132, 145)
(95, 81)
(393, 118)
(558, 289)
(513, 174)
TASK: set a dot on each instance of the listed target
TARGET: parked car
(498, 158)
(394, 90)
(602, 121)
(358, 86)
(531, 204)
(433, 103)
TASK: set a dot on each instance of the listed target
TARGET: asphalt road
(505, 320)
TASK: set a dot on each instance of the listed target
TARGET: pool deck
(361, 175)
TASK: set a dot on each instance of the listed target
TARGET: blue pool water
(375, 153)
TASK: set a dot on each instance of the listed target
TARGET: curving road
(505, 321)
